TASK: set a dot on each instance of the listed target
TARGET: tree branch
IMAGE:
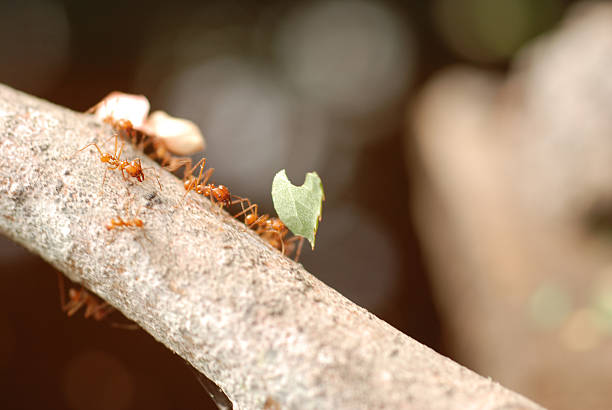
(252, 320)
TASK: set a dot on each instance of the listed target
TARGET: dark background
(259, 78)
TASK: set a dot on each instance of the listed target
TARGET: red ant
(118, 222)
(125, 128)
(252, 219)
(217, 193)
(94, 307)
(79, 298)
(271, 229)
(133, 168)
(160, 150)
(135, 222)
(117, 107)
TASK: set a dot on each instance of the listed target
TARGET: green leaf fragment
(299, 207)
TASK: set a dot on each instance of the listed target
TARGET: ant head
(106, 158)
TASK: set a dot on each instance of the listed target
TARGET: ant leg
(244, 211)
(104, 179)
(235, 199)
(126, 204)
(192, 185)
(74, 305)
(86, 146)
(258, 225)
(74, 308)
(120, 149)
(115, 151)
(280, 238)
(202, 164)
(215, 202)
(101, 310)
(195, 183)
(105, 140)
(156, 176)
(125, 326)
(175, 163)
(186, 192)
(90, 306)
(298, 251)
(259, 221)
(189, 173)
(207, 175)
(187, 163)
(247, 200)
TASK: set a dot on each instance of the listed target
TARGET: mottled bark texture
(201, 283)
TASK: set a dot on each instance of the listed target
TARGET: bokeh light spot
(490, 31)
(601, 300)
(549, 305)
(351, 55)
(250, 121)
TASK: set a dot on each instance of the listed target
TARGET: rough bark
(201, 283)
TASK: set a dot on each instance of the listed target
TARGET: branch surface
(253, 321)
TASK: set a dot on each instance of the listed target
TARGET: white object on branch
(121, 106)
(181, 136)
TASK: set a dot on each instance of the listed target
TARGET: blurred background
(465, 148)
